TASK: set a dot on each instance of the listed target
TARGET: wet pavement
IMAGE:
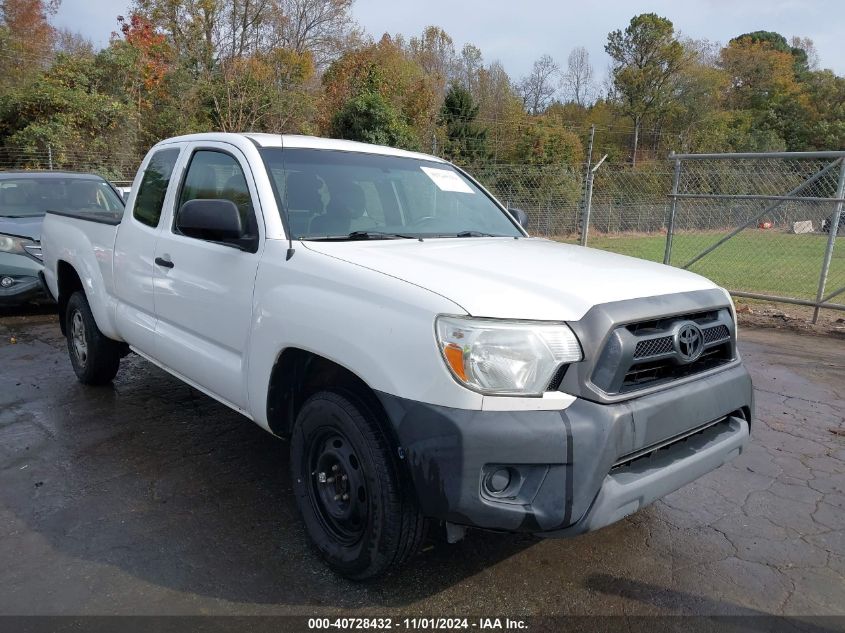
(147, 497)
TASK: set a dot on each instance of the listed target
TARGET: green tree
(647, 57)
(383, 68)
(548, 141)
(777, 42)
(65, 109)
(369, 118)
(763, 93)
(465, 139)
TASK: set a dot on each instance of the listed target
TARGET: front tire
(360, 513)
(95, 357)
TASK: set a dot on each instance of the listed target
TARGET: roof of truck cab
(303, 142)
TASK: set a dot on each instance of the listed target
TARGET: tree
(434, 51)
(824, 123)
(66, 109)
(203, 32)
(546, 141)
(263, 92)
(26, 39)
(578, 78)
(760, 74)
(469, 66)
(646, 58)
(370, 119)
(538, 87)
(695, 118)
(500, 105)
(320, 27)
(776, 41)
(809, 47)
(465, 139)
(387, 69)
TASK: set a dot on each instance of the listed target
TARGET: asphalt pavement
(147, 497)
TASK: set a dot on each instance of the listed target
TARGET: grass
(767, 262)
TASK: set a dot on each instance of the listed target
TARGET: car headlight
(505, 357)
(19, 246)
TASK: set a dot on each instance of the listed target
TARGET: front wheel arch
(68, 282)
(299, 373)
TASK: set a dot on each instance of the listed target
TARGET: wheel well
(68, 282)
(298, 374)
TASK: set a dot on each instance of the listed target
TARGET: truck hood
(528, 278)
(22, 227)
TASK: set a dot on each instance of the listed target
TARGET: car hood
(528, 278)
(22, 227)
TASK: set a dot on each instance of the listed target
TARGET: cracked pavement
(146, 497)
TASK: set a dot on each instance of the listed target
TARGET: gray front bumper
(569, 460)
(629, 488)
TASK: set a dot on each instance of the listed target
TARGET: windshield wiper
(379, 235)
(476, 234)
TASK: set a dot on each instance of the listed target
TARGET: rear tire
(95, 357)
(359, 511)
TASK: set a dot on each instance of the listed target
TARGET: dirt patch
(781, 316)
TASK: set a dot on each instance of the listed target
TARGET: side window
(153, 187)
(216, 175)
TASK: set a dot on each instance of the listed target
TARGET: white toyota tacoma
(426, 358)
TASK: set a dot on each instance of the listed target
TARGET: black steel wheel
(337, 490)
(358, 506)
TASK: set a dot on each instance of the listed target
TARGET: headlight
(19, 246)
(505, 357)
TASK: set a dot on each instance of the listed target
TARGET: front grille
(654, 347)
(718, 333)
(649, 353)
(650, 373)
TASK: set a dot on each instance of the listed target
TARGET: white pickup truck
(426, 358)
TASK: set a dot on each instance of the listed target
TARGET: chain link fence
(116, 166)
(761, 225)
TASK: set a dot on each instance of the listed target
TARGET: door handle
(166, 263)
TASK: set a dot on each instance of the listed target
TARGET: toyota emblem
(689, 342)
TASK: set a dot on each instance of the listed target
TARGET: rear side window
(153, 187)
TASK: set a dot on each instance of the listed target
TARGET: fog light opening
(7, 282)
(498, 481)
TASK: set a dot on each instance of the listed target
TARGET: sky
(517, 33)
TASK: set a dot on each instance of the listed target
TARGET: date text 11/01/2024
(447, 624)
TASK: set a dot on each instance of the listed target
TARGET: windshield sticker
(447, 180)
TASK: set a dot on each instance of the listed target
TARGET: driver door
(204, 289)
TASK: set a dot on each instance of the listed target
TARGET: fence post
(585, 223)
(831, 238)
(670, 229)
(50, 156)
(586, 184)
(588, 207)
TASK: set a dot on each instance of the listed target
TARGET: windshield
(334, 194)
(31, 196)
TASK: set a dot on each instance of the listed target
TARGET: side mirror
(520, 215)
(215, 220)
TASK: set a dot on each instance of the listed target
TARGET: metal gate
(763, 225)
